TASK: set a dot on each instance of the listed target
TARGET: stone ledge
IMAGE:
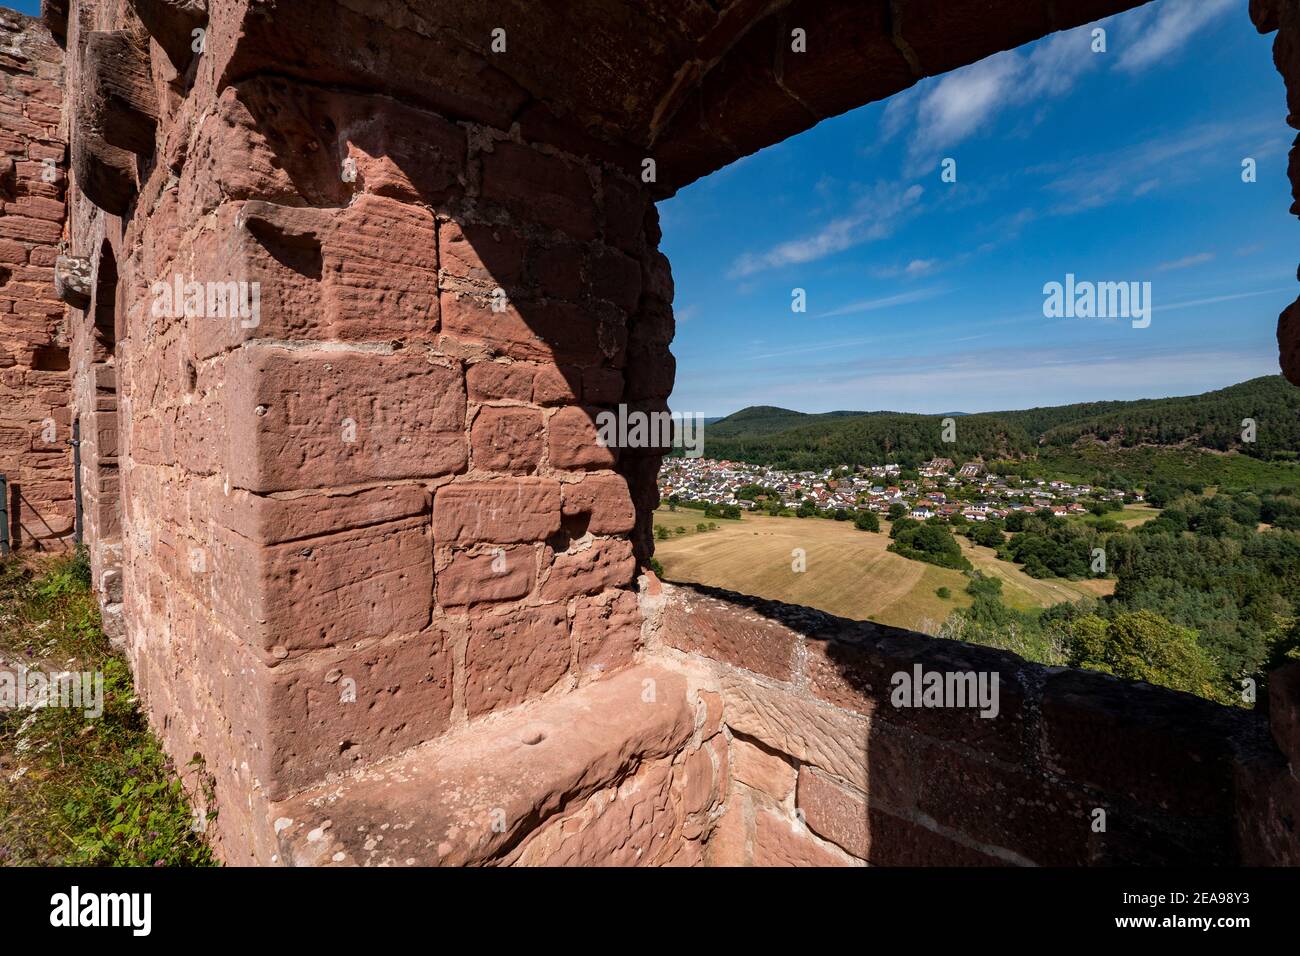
(1185, 780)
(470, 797)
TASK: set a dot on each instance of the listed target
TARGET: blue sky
(30, 7)
(928, 296)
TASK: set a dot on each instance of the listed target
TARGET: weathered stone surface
(606, 631)
(119, 88)
(834, 812)
(602, 501)
(391, 476)
(705, 625)
(762, 769)
(730, 842)
(72, 281)
(341, 710)
(831, 739)
(507, 440)
(172, 23)
(320, 591)
(590, 567)
(35, 384)
(307, 419)
(557, 385)
(515, 655)
(486, 256)
(574, 441)
(858, 673)
(550, 331)
(267, 520)
(633, 824)
(505, 511)
(1176, 750)
(380, 272)
(781, 841)
(541, 188)
(486, 575)
(1014, 810)
(492, 381)
(526, 766)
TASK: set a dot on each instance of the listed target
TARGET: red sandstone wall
(34, 334)
(379, 511)
(825, 770)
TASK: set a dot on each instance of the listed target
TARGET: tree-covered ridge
(768, 419)
(827, 441)
(1212, 422)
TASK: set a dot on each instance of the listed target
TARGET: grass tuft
(78, 789)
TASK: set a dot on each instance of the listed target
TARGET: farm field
(848, 572)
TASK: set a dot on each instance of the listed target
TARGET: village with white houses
(940, 489)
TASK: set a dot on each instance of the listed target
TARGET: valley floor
(847, 572)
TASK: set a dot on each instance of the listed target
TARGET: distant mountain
(1211, 422)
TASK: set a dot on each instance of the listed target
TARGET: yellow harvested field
(847, 572)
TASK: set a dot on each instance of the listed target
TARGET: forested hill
(1211, 422)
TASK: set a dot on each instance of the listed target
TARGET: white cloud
(1172, 25)
(1186, 262)
(1057, 62)
(963, 101)
(955, 106)
(873, 218)
(951, 108)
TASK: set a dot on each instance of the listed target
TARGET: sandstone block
(574, 441)
(602, 501)
(505, 511)
(515, 655)
(603, 563)
(302, 419)
(507, 439)
(482, 576)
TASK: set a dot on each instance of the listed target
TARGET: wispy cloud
(961, 102)
(1089, 182)
(950, 109)
(1186, 262)
(873, 218)
(1216, 299)
(1161, 30)
(886, 302)
(910, 270)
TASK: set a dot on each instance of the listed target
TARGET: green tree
(1142, 645)
(987, 534)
